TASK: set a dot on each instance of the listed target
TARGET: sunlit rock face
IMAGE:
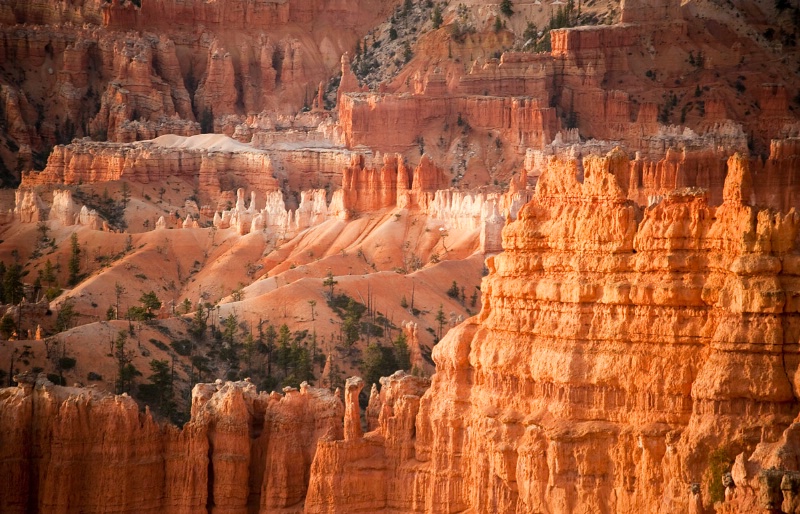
(618, 349)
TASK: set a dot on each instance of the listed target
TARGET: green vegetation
(719, 463)
(111, 210)
(436, 17)
(126, 371)
(74, 266)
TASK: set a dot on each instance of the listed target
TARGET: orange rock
(64, 447)
(532, 408)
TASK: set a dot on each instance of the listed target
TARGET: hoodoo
(359, 256)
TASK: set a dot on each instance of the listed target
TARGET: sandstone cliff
(70, 450)
(625, 359)
(124, 72)
(644, 342)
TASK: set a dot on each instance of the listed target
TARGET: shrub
(66, 363)
(56, 379)
(182, 347)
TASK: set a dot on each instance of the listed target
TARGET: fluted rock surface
(72, 450)
(617, 349)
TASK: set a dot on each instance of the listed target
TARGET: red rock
(532, 426)
(64, 447)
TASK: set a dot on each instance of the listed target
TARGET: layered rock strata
(210, 168)
(617, 350)
(621, 353)
(70, 450)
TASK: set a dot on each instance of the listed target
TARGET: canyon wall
(68, 450)
(644, 343)
(618, 352)
(121, 72)
(521, 121)
(688, 160)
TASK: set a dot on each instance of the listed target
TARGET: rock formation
(558, 421)
(209, 167)
(618, 352)
(122, 71)
(66, 448)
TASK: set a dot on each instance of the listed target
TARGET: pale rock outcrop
(28, 206)
(64, 209)
(90, 218)
(210, 161)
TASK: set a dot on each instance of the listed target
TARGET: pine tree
(198, 327)
(161, 385)
(74, 265)
(270, 336)
(440, 319)
(284, 351)
(506, 7)
(329, 282)
(48, 274)
(12, 284)
(401, 352)
(230, 326)
(150, 303)
(436, 17)
(126, 371)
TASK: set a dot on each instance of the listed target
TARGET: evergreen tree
(198, 327)
(379, 361)
(229, 329)
(160, 389)
(531, 33)
(351, 326)
(440, 319)
(150, 303)
(454, 291)
(270, 336)
(329, 282)
(284, 351)
(507, 8)
(74, 265)
(48, 273)
(401, 352)
(126, 195)
(13, 289)
(436, 17)
(126, 371)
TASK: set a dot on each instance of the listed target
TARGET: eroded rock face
(209, 167)
(64, 449)
(120, 71)
(616, 350)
